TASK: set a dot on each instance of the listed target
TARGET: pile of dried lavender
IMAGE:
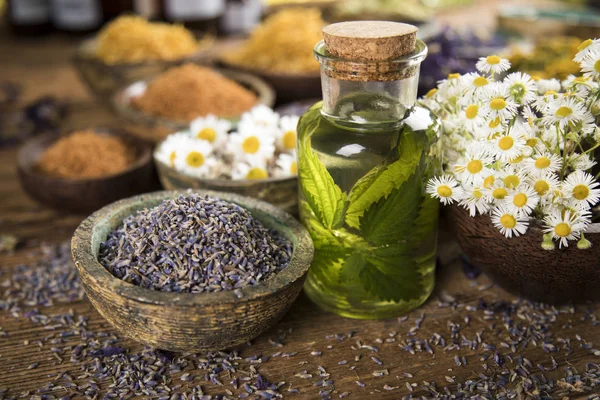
(194, 244)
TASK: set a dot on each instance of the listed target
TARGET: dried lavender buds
(194, 244)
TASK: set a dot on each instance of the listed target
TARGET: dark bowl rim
(81, 55)
(267, 74)
(143, 159)
(265, 95)
(83, 254)
(221, 182)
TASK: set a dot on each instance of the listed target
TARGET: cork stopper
(370, 40)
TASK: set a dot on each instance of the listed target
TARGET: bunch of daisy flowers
(263, 146)
(521, 149)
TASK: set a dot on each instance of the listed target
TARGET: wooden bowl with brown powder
(85, 170)
(152, 110)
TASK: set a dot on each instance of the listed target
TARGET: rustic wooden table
(447, 342)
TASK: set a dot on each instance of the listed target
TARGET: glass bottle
(365, 153)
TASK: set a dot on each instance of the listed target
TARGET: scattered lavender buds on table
(194, 244)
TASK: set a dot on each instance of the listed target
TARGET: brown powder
(86, 154)
(190, 91)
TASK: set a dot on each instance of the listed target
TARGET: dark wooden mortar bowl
(521, 266)
(281, 192)
(189, 321)
(84, 195)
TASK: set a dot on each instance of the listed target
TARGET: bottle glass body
(364, 156)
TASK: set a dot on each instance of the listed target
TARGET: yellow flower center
(492, 60)
(597, 66)
(517, 160)
(536, 77)
(453, 76)
(431, 93)
(498, 104)
(474, 166)
(293, 168)
(506, 143)
(208, 134)
(508, 221)
(444, 191)
(489, 181)
(542, 163)
(257, 173)
(541, 187)
(250, 145)
(195, 159)
(471, 111)
(172, 158)
(581, 79)
(581, 192)
(511, 181)
(499, 193)
(477, 193)
(289, 140)
(562, 229)
(531, 142)
(495, 122)
(584, 44)
(520, 200)
(563, 112)
(480, 81)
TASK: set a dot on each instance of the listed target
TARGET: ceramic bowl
(280, 192)
(104, 79)
(155, 128)
(185, 322)
(521, 266)
(84, 195)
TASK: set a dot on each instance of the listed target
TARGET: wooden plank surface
(460, 311)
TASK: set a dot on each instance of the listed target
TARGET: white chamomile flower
(252, 144)
(196, 159)
(286, 139)
(543, 101)
(498, 104)
(585, 48)
(580, 161)
(286, 165)
(492, 64)
(211, 129)
(170, 147)
(445, 188)
(520, 88)
(579, 85)
(548, 85)
(563, 225)
(565, 111)
(473, 116)
(522, 200)
(474, 200)
(544, 163)
(474, 166)
(496, 192)
(590, 64)
(544, 184)
(511, 176)
(581, 187)
(508, 146)
(475, 86)
(249, 169)
(508, 222)
(260, 116)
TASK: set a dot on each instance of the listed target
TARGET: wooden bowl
(155, 128)
(104, 79)
(521, 266)
(288, 86)
(280, 192)
(186, 322)
(83, 195)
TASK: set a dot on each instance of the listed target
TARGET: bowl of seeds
(83, 170)
(168, 102)
(191, 270)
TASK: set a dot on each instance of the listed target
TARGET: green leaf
(391, 220)
(352, 267)
(426, 221)
(390, 274)
(325, 198)
(327, 263)
(381, 180)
